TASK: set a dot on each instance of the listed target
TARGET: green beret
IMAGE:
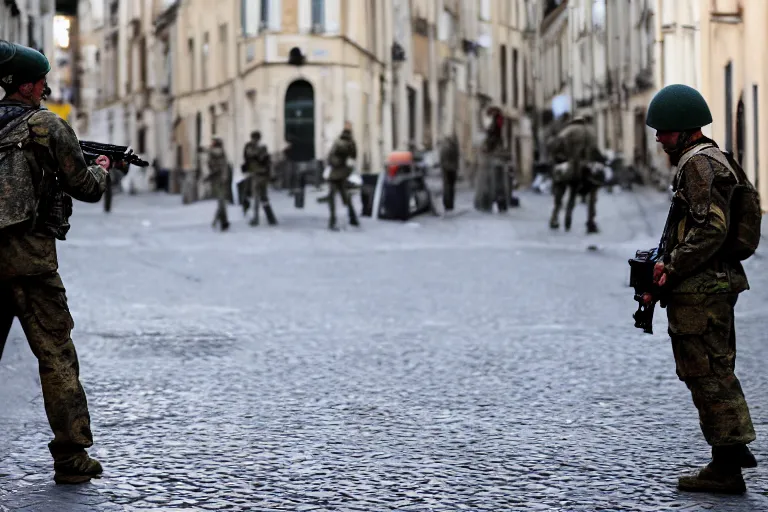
(20, 65)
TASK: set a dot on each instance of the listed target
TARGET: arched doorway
(300, 120)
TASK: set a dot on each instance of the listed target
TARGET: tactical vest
(18, 193)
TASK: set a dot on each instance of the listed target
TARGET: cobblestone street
(473, 362)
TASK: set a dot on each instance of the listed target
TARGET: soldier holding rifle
(713, 225)
(41, 169)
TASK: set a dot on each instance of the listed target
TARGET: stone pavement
(467, 363)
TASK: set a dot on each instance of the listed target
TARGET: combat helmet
(678, 108)
(20, 65)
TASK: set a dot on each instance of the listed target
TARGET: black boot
(721, 475)
(332, 224)
(76, 469)
(353, 216)
(271, 219)
(568, 223)
(592, 227)
(741, 454)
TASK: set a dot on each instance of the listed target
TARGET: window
(264, 19)
(204, 69)
(191, 52)
(503, 73)
(223, 57)
(485, 10)
(373, 41)
(318, 15)
(525, 82)
(248, 16)
(212, 114)
(515, 84)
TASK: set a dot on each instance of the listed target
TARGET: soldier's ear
(26, 89)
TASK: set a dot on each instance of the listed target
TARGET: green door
(300, 120)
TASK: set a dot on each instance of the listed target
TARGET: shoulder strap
(691, 153)
(15, 124)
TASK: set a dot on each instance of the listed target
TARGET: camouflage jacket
(698, 228)
(576, 143)
(218, 173)
(343, 149)
(57, 151)
(256, 159)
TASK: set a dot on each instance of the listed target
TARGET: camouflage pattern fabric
(575, 144)
(703, 290)
(701, 190)
(256, 156)
(342, 149)
(32, 291)
(57, 150)
(40, 303)
(219, 176)
(704, 345)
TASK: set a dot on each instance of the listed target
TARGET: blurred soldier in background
(340, 159)
(258, 166)
(219, 178)
(449, 166)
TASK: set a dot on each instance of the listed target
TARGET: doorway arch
(300, 120)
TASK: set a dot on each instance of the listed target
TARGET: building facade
(167, 76)
(713, 46)
(30, 23)
(294, 70)
(119, 77)
(629, 83)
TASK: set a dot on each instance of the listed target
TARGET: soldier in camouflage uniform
(40, 162)
(449, 166)
(701, 283)
(257, 165)
(342, 152)
(575, 144)
(219, 177)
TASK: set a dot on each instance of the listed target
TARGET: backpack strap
(690, 153)
(16, 122)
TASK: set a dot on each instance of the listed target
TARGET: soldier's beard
(676, 151)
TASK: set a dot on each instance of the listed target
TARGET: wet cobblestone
(473, 363)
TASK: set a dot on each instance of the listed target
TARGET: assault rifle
(92, 150)
(641, 278)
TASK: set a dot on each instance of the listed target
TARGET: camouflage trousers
(704, 345)
(220, 217)
(339, 187)
(260, 195)
(40, 304)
